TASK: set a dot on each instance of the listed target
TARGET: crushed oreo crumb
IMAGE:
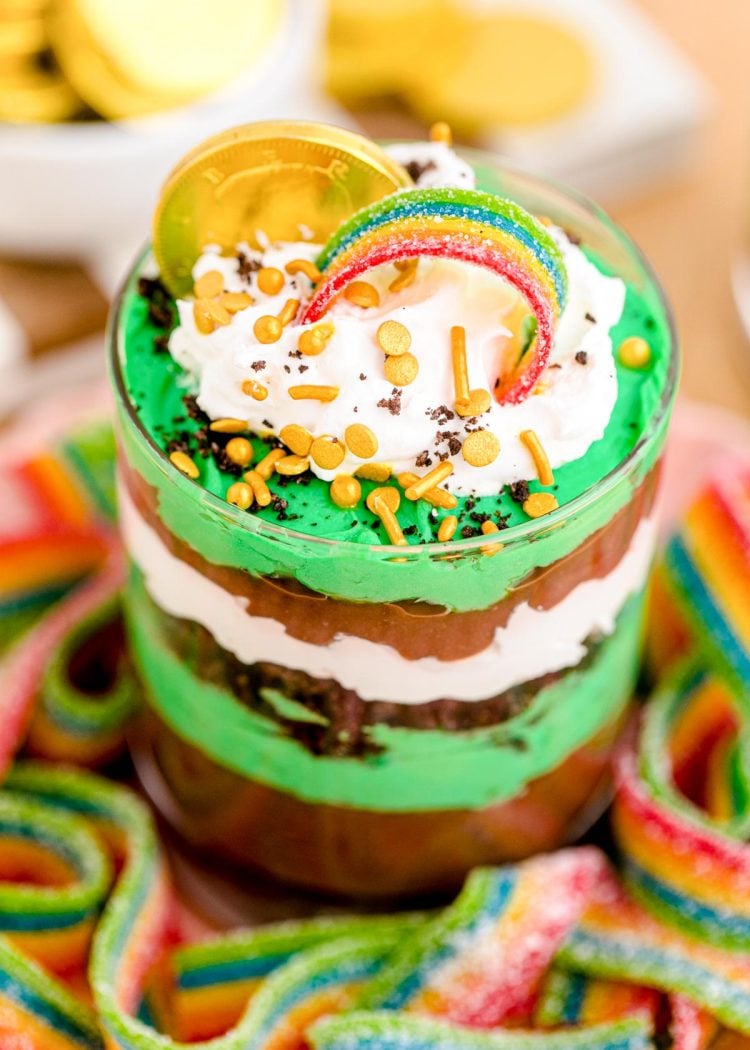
(470, 530)
(555, 365)
(160, 306)
(410, 530)
(246, 266)
(193, 409)
(302, 368)
(519, 491)
(392, 403)
(416, 169)
(589, 317)
(287, 369)
(161, 344)
(582, 357)
(279, 506)
(441, 415)
(258, 366)
(362, 376)
(423, 459)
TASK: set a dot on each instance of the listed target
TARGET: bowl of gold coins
(99, 97)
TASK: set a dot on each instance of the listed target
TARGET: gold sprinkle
(270, 281)
(441, 132)
(379, 472)
(264, 469)
(447, 528)
(327, 452)
(384, 503)
(296, 439)
(393, 338)
(240, 451)
(288, 311)
(240, 495)
(209, 285)
(209, 315)
(235, 302)
(183, 462)
(254, 389)
(407, 275)
(429, 481)
(401, 370)
(361, 441)
(489, 549)
(257, 483)
(543, 219)
(346, 491)
(478, 402)
(290, 466)
(268, 329)
(437, 497)
(634, 352)
(309, 269)
(541, 462)
(310, 392)
(313, 341)
(363, 294)
(229, 426)
(540, 503)
(480, 448)
(460, 367)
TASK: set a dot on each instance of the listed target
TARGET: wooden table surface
(692, 231)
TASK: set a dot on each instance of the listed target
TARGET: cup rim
(534, 527)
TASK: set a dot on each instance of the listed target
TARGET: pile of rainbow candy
(562, 951)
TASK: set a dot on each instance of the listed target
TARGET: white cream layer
(533, 643)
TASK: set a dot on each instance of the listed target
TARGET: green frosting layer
(476, 767)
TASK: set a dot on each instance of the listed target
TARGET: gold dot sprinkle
(268, 329)
(541, 462)
(209, 315)
(229, 426)
(309, 269)
(407, 275)
(437, 497)
(255, 390)
(540, 503)
(288, 311)
(209, 285)
(296, 438)
(441, 132)
(257, 483)
(429, 481)
(240, 451)
(313, 341)
(447, 528)
(346, 491)
(384, 503)
(264, 469)
(310, 392)
(183, 462)
(393, 338)
(480, 448)
(291, 466)
(269, 280)
(240, 494)
(401, 370)
(361, 441)
(379, 472)
(634, 352)
(235, 302)
(327, 452)
(488, 527)
(363, 294)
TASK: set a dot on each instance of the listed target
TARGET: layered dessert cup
(357, 682)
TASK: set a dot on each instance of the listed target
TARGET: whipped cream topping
(415, 425)
(533, 643)
(433, 165)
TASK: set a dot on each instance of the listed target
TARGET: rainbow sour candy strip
(388, 1031)
(480, 963)
(574, 999)
(467, 225)
(683, 866)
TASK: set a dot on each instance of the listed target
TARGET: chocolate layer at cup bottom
(414, 629)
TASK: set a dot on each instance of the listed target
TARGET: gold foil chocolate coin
(278, 179)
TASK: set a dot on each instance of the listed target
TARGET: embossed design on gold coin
(273, 177)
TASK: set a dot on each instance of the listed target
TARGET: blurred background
(643, 104)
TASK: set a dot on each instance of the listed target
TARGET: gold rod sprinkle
(429, 481)
(436, 497)
(288, 312)
(541, 462)
(265, 468)
(460, 367)
(261, 491)
(390, 522)
(310, 392)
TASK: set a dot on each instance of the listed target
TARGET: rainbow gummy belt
(469, 225)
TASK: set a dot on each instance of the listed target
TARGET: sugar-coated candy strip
(213, 981)
(691, 1027)
(678, 863)
(70, 724)
(481, 961)
(466, 225)
(22, 668)
(390, 1031)
(618, 939)
(569, 998)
